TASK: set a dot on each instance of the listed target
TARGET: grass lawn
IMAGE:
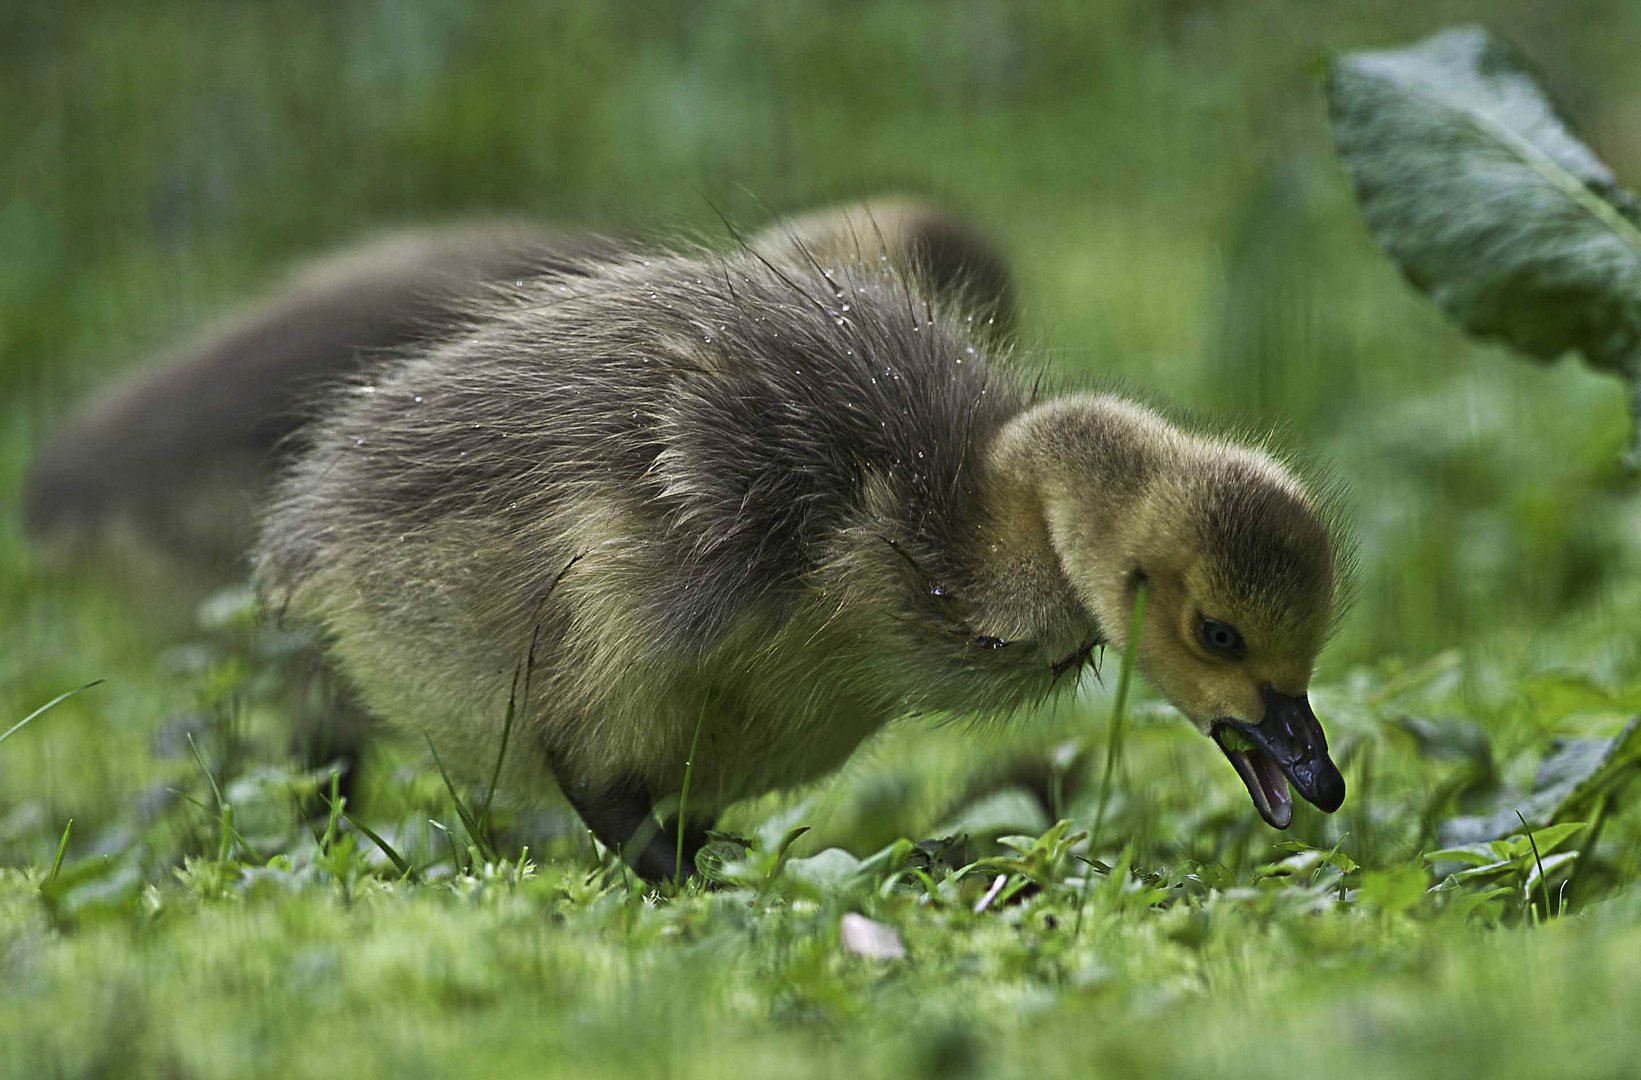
(1162, 179)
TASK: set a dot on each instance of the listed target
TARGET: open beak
(1286, 746)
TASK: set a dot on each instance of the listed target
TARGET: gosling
(761, 505)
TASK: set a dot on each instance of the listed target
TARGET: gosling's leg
(695, 838)
(619, 815)
(331, 728)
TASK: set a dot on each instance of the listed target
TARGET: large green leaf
(1572, 778)
(1477, 187)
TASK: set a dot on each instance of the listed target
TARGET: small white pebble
(863, 937)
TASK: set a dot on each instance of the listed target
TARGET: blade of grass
(513, 703)
(683, 796)
(335, 805)
(1543, 885)
(62, 846)
(224, 822)
(501, 755)
(400, 863)
(225, 813)
(191, 801)
(456, 863)
(469, 822)
(1113, 746)
(226, 834)
(206, 769)
(47, 707)
(1632, 377)
(1119, 708)
(1591, 839)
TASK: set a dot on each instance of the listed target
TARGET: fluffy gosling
(780, 499)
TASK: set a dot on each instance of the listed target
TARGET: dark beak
(1286, 746)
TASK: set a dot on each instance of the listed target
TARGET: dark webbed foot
(332, 729)
(619, 815)
(666, 838)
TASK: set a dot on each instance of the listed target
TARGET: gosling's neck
(1069, 494)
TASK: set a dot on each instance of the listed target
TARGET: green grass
(1161, 176)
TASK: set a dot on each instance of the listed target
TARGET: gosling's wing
(176, 454)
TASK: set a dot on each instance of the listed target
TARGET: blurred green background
(1160, 174)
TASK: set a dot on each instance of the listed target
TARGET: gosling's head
(1241, 572)
(1241, 579)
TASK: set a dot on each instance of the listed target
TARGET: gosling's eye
(1220, 637)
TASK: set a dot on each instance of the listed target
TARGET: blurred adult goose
(763, 504)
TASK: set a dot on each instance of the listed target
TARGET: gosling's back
(695, 484)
